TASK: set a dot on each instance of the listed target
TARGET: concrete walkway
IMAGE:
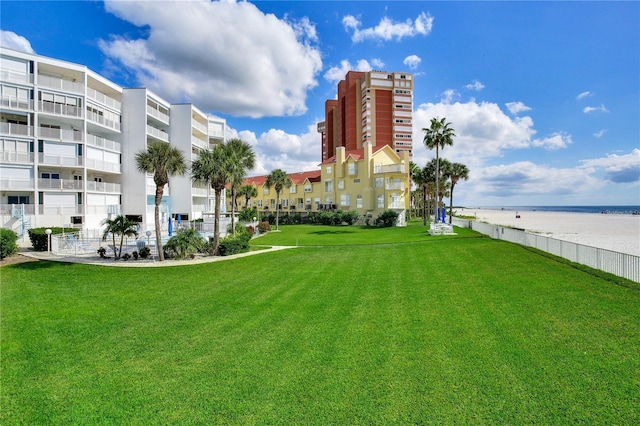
(91, 259)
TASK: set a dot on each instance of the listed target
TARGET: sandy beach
(616, 232)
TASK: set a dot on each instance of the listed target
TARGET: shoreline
(618, 232)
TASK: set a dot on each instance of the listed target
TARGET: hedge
(8, 246)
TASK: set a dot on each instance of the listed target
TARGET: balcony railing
(10, 183)
(157, 114)
(61, 134)
(104, 209)
(199, 126)
(16, 157)
(60, 160)
(16, 77)
(395, 185)
(15, 210)
(106, 166)
(60, 109)
(157, 133)
(71, 210)
(100, 119)
(100, 142)
(15, 103)
(391, 168)
(16, 129)
(75, 185)
(104, 187)
(199, 142)
(199, 191)
(103, 99)
(60, 84)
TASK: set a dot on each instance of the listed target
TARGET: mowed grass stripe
(456, 330)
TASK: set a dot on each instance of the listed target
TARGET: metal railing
(60, 160)
(60, 84)
(60, 184)
(8, 183)
(621, 264)
(100, 119)
(16, 103)
(60, 109)
(103, 187)
(63, 134)
(16, 157)
(16, 129)
(103, 99)
(101, 142)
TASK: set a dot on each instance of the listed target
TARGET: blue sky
(544, 96)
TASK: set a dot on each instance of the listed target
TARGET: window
(340, 184)
(380, 201)
(359, 201)
(284, 202)
(292, 189)
(265, 190)
(48, 175)
(18, 199)
(378, 182)
(345, 200)
(307, 187)
(328, 170)
(352, 169)
(328, 199)
(328, 186)
(259, 203)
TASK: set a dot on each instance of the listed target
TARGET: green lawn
(433, 330)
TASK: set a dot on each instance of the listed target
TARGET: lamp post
(148, 235)
(48, 232)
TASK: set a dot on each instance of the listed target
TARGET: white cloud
(555, 141)
(618, 168)
(387, 29)
(11, 40)
(476, 85)
(278, 149)
(335, 74)
(600, 133)
(517, 107)
(584, 95)
(449, 96)
(195, 52)
(590, 109)
(412, 61)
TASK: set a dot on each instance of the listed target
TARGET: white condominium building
(68, 139)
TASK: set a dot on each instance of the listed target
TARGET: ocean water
(575, 209)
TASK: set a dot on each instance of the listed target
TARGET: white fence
(620, 264)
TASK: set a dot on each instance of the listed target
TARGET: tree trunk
(233, 210)
(437, 183)
(424, 205)
(277, 208)
(158, 200)
(450, 204)
(216, 222)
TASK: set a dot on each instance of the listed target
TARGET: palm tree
(278, 179)
(242, 159)
(456, 172)
(162, 160)
(437, 136)
(414, 169)
(121, 226)
(420, 177)
(212, 166)
(249, 192)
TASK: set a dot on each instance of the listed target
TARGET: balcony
(104, 187)
(69, 210)
(391, 168)
(15, 76)
(16, 129)
(200, 190)
(100, 142)
(157, 133)
(11, 183)
(395, 185)
(15, 103)
(106, 166)
(16, 157)
(60, 160)
(103, 99)
(199, 127)
(100, 119)
(60, 109)
(115, 209)
(60, 134)
(15, 210)
(199, 142)
(157, 114)
(60, 84)
(60, 184)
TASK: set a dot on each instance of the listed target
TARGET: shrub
(135, 255)
(240, 229)
(350, 217)
(247, 215)
(186, 242)
(8, 246)
(264, 227)
(126, 257)
(386, 219)
(38, 236)
(102, 252)
(145, 252)
(232, 245)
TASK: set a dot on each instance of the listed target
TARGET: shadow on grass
(331, 232)
(35, 266)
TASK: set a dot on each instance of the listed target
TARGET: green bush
(264, 227)
(233, 245)
(38, 236)
(186, 242)
(386, 219)
(8, 246)
(145, 252)
(247, 215)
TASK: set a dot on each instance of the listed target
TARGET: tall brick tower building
(374, 106)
